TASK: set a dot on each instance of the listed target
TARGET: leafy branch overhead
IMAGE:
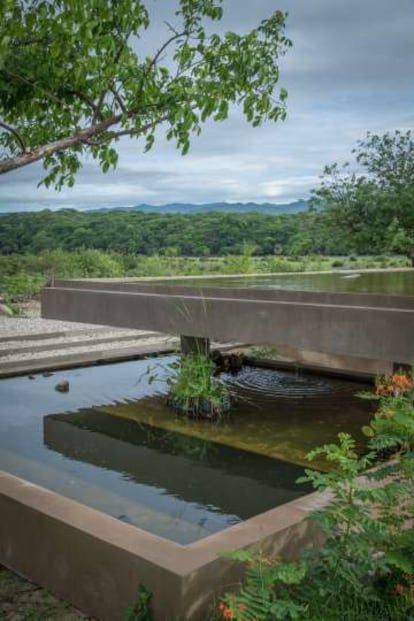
(74, 78)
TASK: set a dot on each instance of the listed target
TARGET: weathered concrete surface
(86, 358)
(328, 362)
(194, 345)
(97, 562)
(376, 327)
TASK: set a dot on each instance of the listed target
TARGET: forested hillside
(269, 208)
(38, 246)
(210, 234)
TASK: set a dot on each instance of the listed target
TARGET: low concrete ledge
(97, 562)
(90, 358)
(358, 325)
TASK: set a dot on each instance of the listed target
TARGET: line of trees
(372, 201)
(211, 234)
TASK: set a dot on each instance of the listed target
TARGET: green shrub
(365, 569)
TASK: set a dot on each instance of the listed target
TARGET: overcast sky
(350, 70)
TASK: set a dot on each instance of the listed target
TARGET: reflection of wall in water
(235, 481)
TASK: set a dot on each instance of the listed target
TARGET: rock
(62, 386)
(227, 363)
(6, 310)
(47, 374)
(31, 376)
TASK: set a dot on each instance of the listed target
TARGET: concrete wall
(357, 325)
(97, 562)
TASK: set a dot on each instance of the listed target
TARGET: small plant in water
(194, 391)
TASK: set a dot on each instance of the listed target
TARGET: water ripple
(271, 384)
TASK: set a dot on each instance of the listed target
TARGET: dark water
(395, 282)
(111, 443)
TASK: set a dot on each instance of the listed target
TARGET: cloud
(349, 71)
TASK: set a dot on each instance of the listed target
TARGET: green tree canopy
(73, 78)
(374, 204)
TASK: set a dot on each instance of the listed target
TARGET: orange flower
(228, 614)
(393, 385)
(399, 589)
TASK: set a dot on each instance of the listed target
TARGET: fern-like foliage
(264, 594)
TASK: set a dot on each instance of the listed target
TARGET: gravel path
(30, 322)
(20, 340)
(21, 600)
(28, 339)
(113, 345)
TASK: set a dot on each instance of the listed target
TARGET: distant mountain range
(269, 208)
(189, 208)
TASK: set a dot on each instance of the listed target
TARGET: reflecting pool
(113, 444)
(399, 282)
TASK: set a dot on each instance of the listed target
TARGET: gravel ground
(16, 342)
(30, 322)
(21, 600)
(113, 345)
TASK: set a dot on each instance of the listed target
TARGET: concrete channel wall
(97, 562)
(369, 326)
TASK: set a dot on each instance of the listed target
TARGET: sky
(350, 70)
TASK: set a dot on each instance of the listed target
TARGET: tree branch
(118, 99)
(84, 136)
(98, 108)
(174, 37)
(14, 133)
(127, 132)
(87, 101)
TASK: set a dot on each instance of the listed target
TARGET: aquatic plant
(194, 390)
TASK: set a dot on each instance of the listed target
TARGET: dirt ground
(21, 600)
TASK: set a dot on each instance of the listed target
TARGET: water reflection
(113, 444)
(226, 480)
(393, 282)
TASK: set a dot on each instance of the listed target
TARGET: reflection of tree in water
(186, 446)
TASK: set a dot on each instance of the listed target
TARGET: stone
(62, 386)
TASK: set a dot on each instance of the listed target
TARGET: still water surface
(112, 443)
(392, 282)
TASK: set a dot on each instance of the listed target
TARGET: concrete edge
(176, 558)
(69, 361)
(85, 342)
(245, 275)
